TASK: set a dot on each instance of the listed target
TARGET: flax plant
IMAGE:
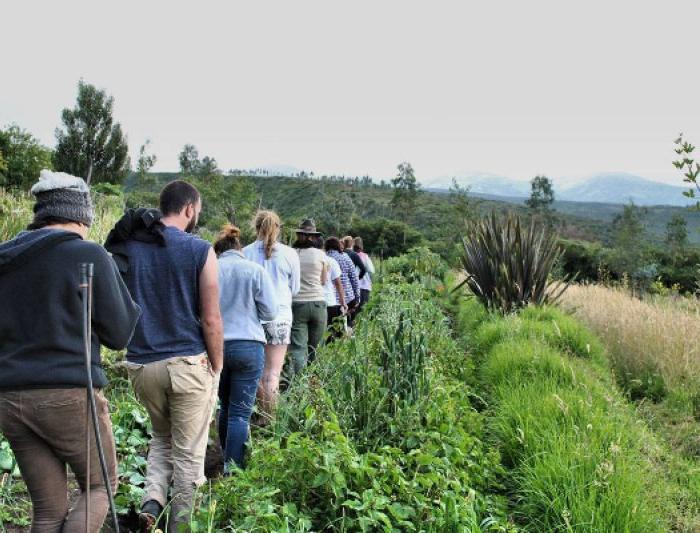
(508, 265)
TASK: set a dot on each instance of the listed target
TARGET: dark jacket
(41, 343)
(142, 224)
(358, 262)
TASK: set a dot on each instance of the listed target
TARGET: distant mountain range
(611, 188)
(607, 188)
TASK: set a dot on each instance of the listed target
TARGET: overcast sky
(512, 88)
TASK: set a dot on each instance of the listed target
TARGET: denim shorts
(278, 332)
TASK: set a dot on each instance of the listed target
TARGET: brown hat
(308, 227)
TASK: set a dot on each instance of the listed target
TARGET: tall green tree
(92, 145)
(192, 165)
(541, 195)
(406, 191)
(189, 160)
(22, 157)
(208, 167)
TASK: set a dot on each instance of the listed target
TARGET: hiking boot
(149, 514)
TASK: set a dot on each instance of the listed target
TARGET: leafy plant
(508, 266)
(690, 168)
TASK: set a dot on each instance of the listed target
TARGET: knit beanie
(63, 196)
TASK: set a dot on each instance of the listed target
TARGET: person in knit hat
(43, 379)
(63, 198)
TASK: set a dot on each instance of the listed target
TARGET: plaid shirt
(348, 276)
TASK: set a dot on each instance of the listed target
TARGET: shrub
(384, 237)
(580, 259)
(418, 265)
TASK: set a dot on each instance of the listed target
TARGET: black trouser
(352, 311)
(364, 298)
(336, 328)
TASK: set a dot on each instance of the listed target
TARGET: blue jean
(242, 369)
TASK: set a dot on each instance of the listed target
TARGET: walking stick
(86, 275)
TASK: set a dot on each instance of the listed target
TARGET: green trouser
(308, 327)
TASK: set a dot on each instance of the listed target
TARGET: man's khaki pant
(179, 395)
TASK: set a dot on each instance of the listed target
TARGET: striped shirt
(348, 276)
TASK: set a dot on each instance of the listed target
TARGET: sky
(510, 88)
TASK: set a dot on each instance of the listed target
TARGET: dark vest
(164, 281)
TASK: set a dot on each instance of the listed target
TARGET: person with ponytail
(247, 296)
(281, 263)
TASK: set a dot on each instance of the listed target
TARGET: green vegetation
(379, 434)
(688, 166)
(22, 157)
(578, 458)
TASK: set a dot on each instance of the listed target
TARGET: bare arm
(210, 313)
(324, 273)
(340, 291)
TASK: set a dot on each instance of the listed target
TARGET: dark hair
(301, 245)
(332, 243)
(48, 221)
(229, 239)
(303, 240)
(176, 195)
(317, 242)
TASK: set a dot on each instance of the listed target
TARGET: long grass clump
(578, 458)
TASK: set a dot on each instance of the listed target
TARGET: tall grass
(653, 346)
(16, 212)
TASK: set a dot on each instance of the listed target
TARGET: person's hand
(343, 309)
(215, 370)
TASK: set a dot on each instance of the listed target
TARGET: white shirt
(283, 267)
(333, 274)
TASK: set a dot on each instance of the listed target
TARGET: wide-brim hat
(308, 227)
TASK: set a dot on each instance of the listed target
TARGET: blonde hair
(229, 238)
(359, 245)
(347, 242)
(267, 227)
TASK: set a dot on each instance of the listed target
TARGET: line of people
(198, 322)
